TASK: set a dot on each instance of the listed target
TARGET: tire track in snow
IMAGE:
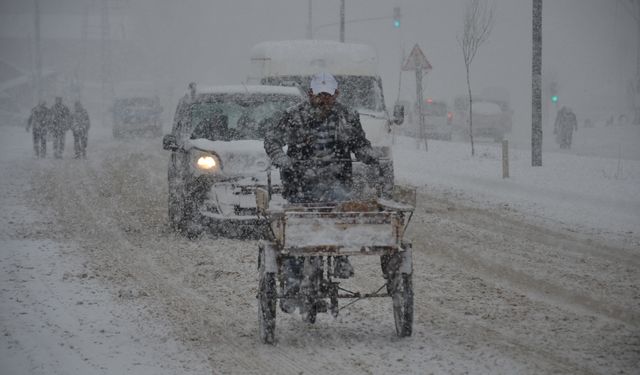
(460, 247)
(99, 218)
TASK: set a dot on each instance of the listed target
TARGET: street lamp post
(310, 22)
(342, 21)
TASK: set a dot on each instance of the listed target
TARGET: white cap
(323, 82)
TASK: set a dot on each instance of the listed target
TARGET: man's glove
(283, 162)
(310, 174)
(368, 156)
(369, 159)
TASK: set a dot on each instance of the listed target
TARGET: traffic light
(553, 90)
(396, 17)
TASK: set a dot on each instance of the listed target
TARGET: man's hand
(370, 159)
(283, 162)
(310, 174)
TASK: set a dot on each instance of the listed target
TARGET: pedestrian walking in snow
(60, 123)
(38, 123)
(564, 127)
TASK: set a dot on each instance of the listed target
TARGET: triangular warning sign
(416, 60)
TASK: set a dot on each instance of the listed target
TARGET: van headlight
(205, 162)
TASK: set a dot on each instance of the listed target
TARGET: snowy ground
(537, 273)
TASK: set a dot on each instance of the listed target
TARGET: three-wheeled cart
(314, 235)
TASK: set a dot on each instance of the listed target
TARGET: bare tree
(478, 23)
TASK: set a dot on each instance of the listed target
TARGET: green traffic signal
(396, 17)
(554, 98)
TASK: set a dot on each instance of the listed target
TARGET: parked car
(218, 158)
(136, 115)
(491, 118)
(437, 120)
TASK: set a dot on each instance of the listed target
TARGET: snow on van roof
(252, 89)
(486, 108)
(306, 57)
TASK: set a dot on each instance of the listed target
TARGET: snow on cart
(316, 233)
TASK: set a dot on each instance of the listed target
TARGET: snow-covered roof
(306, 57)
(253, 89)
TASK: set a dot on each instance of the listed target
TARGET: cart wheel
(267, 300)
(333, 300)
(267, 297)
(310, 312)
(403, 304)
(312, 269)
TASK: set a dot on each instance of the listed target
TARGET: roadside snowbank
(590, 193)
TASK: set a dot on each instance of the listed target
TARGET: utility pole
(536, 86)
(105, 35)
(636, 119)
(342, 21)
(310, 22)
(38, 52)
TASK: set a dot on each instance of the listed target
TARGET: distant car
(491, 118)
(136, 115)
(218, 158)
(437, 120)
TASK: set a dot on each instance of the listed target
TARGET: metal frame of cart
(315, 234)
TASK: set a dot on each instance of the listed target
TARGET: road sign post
(419, 63)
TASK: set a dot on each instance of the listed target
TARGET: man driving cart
(320, 135)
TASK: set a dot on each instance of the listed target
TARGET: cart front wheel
(267, 300)
(403, 304)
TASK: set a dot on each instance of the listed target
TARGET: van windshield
(226, 116)
(359, 92)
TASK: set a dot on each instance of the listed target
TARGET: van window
(359, 92)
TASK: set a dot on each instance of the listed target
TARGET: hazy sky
(589, 45)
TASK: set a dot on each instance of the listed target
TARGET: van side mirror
(398, 114)
(170, 143)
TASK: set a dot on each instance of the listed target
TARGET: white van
(293, 62)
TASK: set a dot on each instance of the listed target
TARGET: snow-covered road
(94, 282)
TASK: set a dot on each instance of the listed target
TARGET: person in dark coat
(80, 125)
(60, 123)
(38, 123)
(564, 127)
(320, 135)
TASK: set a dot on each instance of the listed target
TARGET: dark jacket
(60, 118)
(319, 148)
(80, 121)
(39, 119)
